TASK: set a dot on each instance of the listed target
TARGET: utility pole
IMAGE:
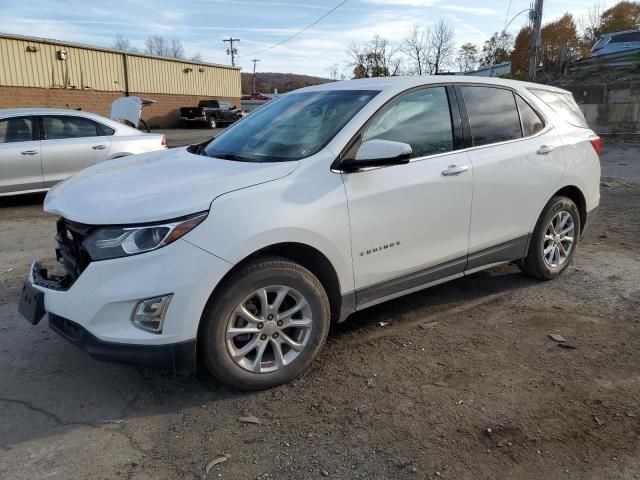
(255, 60)
(231, 50)
(535, 39)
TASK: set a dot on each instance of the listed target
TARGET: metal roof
(63, 43)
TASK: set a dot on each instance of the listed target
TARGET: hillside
(266, 82)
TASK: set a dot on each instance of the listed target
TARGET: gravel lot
(462, 383)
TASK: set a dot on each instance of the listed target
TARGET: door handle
(99, 147)
(454, 170)
(545, 149)
(29, 152)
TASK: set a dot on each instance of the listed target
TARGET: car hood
(154, 186)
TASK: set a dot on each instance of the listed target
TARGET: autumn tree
(467, 58)
(521, 51)
(622, 16)
(559, 42)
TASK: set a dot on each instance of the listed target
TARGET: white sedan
(40, 147)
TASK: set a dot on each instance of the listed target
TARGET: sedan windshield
(292, 127)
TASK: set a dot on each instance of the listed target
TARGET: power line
(506, 17)
(298, 32)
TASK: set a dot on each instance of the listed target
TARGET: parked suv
(327, 200)
(616, 43)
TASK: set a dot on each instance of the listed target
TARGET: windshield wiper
(231, 156)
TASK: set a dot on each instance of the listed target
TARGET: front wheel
(554, 240)
(264, 325)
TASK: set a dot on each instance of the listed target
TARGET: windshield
(294, 126)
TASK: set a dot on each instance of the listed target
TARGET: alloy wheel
(558, 239)
(269, 329)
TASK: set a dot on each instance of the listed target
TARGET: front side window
(18, 129)
(57, 127)
(292, 127)
(531, 121)
(492, 114)
(420, 118)
(564, 105)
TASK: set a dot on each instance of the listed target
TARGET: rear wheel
(554, 240)
(265, 325)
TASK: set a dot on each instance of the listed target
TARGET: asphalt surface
(458, 381)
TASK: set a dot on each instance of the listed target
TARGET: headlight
(114, 242)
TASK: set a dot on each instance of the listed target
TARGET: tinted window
(564, 105)
(420, 118)
(16, 130)
(626, 37)
(492, 114)
(105, 131)
(531, 122)
(292, 127)
(69, 127)
(208, 103)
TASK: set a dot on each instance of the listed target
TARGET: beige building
(37, 72)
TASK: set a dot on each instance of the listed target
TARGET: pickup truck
(213, 113)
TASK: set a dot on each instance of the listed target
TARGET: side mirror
(378, 153)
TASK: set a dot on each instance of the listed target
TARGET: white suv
(241, 251)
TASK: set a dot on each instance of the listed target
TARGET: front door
(69, 144)
(410, 223)
(20, 167)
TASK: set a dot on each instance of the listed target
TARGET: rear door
(69, 144)
(517, 163)
(20, 167)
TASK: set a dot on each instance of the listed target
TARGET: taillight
(596, 142)
(164, 142)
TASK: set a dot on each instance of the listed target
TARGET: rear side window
(18, 129)
(104, 131)
(564, 105)
(420, 118)
(69, 127)
(492, 114)
(626, 37)
(531, 121)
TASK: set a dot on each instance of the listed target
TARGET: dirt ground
(462, 383)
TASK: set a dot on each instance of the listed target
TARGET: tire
(212, 123)
(243, 288)
(548, 254)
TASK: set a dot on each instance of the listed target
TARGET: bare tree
(590, 23)
(441, 46)
(197, 57)
(416, 47)
(123, 43)
(160, 46)
(333, 72)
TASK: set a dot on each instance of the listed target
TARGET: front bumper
(100, 303)
(177, 357)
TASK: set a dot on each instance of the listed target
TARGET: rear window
(492, 114)
(602, 42)
(564, 105)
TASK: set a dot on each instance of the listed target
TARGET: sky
(201, 25)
